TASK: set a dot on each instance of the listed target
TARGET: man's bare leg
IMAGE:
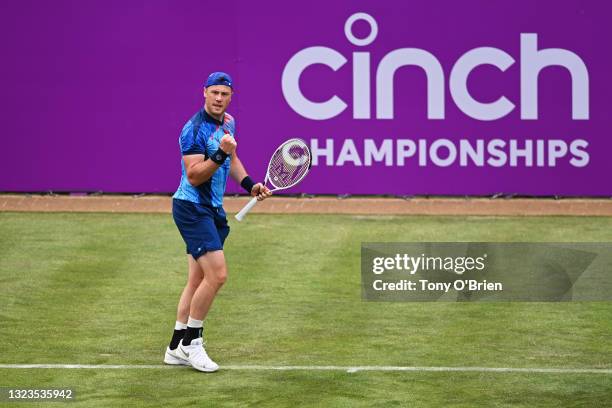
(191, 347)
(194, 279)
(213, 263)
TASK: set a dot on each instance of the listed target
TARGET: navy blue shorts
(203, 228)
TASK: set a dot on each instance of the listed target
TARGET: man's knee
(214, 267)
(219, 277)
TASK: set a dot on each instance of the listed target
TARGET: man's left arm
(239, 174)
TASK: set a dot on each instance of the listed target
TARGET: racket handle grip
(246, 209)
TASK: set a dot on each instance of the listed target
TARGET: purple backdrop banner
(403, 98)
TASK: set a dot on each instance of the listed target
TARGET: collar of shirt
(210, 119)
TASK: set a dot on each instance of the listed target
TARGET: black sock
(192, 333)
(176, 338)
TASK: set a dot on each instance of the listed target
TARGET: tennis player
(208, 149)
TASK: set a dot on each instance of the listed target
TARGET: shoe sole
(204, 369)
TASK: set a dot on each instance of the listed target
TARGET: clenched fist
(228, 144)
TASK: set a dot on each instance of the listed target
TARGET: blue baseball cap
(219, 78)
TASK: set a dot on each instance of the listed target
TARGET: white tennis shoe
(173, 358)
(196, 355)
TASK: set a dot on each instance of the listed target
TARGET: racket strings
(289, 164)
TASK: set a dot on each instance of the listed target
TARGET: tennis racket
(288, 166)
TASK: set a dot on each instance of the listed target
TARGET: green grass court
(102, 289)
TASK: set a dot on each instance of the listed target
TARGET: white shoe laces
(198, 353)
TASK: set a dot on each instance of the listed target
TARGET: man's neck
(217, 117)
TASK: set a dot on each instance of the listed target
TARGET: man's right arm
(199, 169)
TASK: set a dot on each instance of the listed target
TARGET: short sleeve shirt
(202, 135)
